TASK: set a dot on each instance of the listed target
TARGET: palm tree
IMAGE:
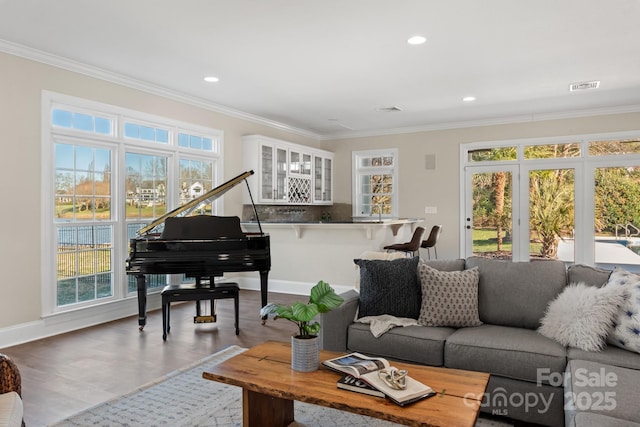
(551, 209)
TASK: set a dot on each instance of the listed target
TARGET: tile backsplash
(298, 213)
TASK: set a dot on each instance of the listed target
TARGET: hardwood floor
(64, 374)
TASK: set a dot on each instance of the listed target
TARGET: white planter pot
(305, 354)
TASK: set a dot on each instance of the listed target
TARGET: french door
(520, 211)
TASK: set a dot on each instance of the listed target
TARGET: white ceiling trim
(111, 77)
(90, 71)
(634, 108)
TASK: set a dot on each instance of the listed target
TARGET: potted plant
(305, 346)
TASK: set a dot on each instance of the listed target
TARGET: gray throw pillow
(449, 298)
(389, 287)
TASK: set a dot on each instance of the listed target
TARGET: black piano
(197, 246)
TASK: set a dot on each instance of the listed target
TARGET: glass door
(489, 212)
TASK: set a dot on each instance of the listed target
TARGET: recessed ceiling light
(211, 79)
(417, 40)
(469, 98)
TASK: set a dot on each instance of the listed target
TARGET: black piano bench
(192, 292)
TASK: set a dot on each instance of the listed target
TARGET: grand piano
(197, 246)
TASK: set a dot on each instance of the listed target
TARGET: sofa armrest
(334, 324)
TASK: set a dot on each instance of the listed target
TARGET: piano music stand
(198, 292)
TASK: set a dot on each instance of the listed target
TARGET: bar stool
(200, 291)
(411, 247)
(432, 240)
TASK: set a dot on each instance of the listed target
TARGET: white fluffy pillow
(626, 331)
(582, 316)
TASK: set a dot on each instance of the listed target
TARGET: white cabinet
(287, 173)
(322, 179)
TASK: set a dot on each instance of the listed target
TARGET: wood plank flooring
(64, 374)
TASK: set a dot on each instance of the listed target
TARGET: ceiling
(325, 68)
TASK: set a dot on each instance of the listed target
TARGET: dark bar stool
(200, 291)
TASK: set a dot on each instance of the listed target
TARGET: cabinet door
(328, 181)
(322, 180)
(266, 172)
(281, 175)
(318, 178)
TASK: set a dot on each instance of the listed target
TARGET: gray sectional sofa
(529, 380)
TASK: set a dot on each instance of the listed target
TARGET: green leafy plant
(322, 300)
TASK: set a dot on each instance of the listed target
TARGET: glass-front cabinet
(287, 173)
(272, 173)
(322, 179)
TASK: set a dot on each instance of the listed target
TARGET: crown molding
(633, 108)
(123, 80)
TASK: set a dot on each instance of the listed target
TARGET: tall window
(83, 222)
(108, 172)
(575, 199)
(375, 192)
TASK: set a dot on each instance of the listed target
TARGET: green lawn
(486, 240)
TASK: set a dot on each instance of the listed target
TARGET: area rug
(184, 399)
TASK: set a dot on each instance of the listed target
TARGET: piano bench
(187, 292)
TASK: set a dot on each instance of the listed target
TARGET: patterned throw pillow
(582, 316)
(449, 298)
(389, 287)
(626, 332)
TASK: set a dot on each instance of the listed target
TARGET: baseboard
(72, 320)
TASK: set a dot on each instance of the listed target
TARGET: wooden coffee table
(269, 387)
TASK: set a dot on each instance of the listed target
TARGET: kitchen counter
(368, 226)
(304, 252)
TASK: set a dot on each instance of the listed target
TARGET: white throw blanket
(383, 323)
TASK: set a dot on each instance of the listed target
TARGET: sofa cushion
(587, 419)
(389, 287)
(590, 276)
(11, 409)
(516, 293)
(415, 344)
(602, 389)
(582, 316)
(626, 333)
(445, 264)
(449, 298)
(501, 350)
(610, 355)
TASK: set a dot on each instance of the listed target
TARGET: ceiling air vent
(389, 109)
(584, 85)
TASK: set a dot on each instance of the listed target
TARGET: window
(107, 172)
(374, 183)
(83, 224)
(573, 199)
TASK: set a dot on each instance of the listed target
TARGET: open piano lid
(187, 208)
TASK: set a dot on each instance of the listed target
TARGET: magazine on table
(348, 382)
(370, 369)
(356, 364)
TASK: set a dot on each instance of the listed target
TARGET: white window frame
(357, 172)
(119, 146)
(584, 167)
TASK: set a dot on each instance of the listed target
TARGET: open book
(368, 369)
(356, 364)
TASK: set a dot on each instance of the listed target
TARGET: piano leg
(263, 286)
(142, 301)
(264, 290)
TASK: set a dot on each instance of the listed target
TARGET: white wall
(420, 187)
(22, 82)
